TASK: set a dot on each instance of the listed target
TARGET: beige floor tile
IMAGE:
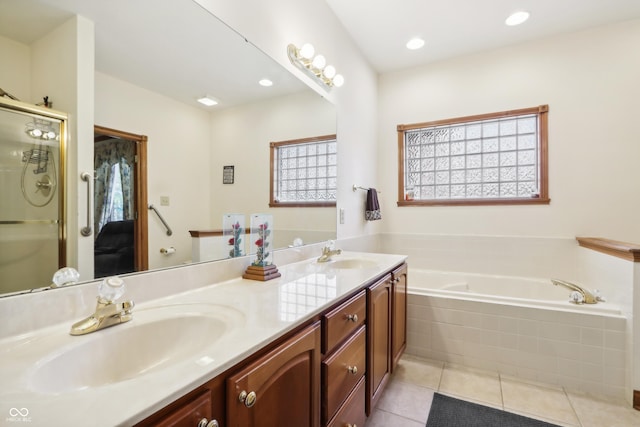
(550, 404)
(406, 399)
(380, 418)
(422, 372)
(471, 384)
(600, 412)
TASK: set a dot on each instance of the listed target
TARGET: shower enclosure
(32, 208)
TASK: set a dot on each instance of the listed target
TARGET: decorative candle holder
(262, 267)
(232, 233)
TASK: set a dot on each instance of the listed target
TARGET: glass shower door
(31, 188)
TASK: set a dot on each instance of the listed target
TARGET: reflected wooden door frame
(141, 261)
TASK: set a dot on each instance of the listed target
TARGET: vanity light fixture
(208, 100)
(316, 65)
(415, 43)
(517, 18)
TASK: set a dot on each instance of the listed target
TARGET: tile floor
(407, 398)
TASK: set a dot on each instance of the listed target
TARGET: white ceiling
(381, 28)
(175, 48)
(152, 44)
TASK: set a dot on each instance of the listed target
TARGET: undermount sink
(153, 340)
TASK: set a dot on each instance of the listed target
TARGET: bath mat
(450, 412)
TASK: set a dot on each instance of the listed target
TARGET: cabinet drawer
(352, 412)
(342, 321)
(341, 372)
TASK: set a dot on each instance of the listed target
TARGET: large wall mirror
(151, 62)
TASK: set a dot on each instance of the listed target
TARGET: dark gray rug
(450, 412)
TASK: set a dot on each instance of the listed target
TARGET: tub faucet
(587, 296)
(328, 252)
(108, 313)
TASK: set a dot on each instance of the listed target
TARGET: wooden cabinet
(344, 364)
(330, 373)
(281, 388)
(379, 297)
(398, 314)
(203, 407)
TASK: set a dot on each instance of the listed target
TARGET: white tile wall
(579, 351)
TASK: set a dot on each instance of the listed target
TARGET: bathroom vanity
(328, 371)
(314, 347)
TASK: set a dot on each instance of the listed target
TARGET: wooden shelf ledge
(624, 250)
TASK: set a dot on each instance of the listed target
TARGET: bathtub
(517, 326)
(496, 289)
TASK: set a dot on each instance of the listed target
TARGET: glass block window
(498, 158)
(304, 172)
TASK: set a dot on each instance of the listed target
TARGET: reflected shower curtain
(113, 161)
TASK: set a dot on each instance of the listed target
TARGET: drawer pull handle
(206, 423)
(352, 369)
(352, 317)
(249, 399)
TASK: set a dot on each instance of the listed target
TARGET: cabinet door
(189, 414)
(399, 315)
(378, 339)
(281, 388)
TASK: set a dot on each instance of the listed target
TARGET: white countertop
(257, 312)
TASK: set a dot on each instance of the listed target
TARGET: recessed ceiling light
(208, 100)
(265, 82)
(415, 43)
(517, 18)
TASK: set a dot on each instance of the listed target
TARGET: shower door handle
(86, 231)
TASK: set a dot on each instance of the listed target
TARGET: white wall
(590, 81)
(15, 68)
(241, 138)
(178, 156)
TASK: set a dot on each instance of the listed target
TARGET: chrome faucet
(328, 252)
(108, 313)
(585, 296)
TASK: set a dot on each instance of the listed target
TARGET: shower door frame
(30, 110)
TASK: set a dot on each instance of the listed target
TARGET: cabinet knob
(352, 317)
(352, 369)
(206, 423)
(249, 399)
(350, 425)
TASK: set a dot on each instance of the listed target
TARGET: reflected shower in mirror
(152, 62)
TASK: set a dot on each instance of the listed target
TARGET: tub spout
(587, 296)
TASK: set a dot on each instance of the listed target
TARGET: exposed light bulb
(36, 133)
(51, 134)
(338, 80)
(319, 62)
(415, 43)
(517, 18)
(329, 71)
(307, 50)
